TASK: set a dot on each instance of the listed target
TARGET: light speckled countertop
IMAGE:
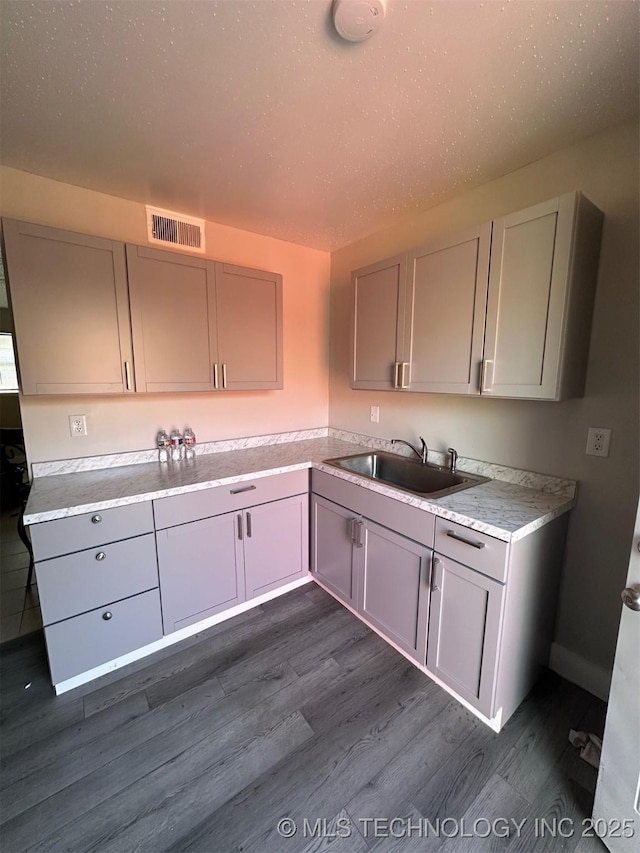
(506, 510)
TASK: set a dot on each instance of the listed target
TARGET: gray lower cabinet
(98, 590)
(464, 631)
(221, 546)
(476, 612)
(394, 587)
(200, 566)
(333, 558)
(211, 565)
(380, 573)
(276, 544)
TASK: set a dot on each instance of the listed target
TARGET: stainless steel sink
(403, 473)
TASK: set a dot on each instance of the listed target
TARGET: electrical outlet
(77, 425)
(374, 416)
(598, 441)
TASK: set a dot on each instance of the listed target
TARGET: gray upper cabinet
(199, 325)
(544, 263)
(70, 307)
(249, 333)
(378, 327)
(502, 310)
(172, 319)
(446, 297)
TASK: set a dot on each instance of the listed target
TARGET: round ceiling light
(358, 20)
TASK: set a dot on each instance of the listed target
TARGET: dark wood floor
(292, 710)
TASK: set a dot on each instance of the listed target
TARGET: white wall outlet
(374, 416)
(77, 425)
(598, 441)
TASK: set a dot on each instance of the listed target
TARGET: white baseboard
(580, 671)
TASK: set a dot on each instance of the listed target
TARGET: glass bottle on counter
(177, 448)
(164, 445)
(189, 443)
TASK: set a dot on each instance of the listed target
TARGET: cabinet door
(448, 292)
(464, 630)
(526, 308)
(332, 548)
(378, 324)
(70, 309)
(276, 544)
(394, 590)
(172, 319)
(200, 568)
(249, 318)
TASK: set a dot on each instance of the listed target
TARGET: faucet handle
(454, 459)
(425, 450)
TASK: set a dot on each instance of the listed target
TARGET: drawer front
(405, 519)
(77, 645)
(471, 548)
(65, 535)
(194, 506)
(80, 582)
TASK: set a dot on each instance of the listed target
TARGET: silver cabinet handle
(100, 556)
(435, 562)
(354, 535)
(224, 375)
(248, 525)
(239, 526)
(457, 537)
(404, 367)
(127, 375)
(215, 375)
(359, 534)
(108, 615)
(396, 375)
(241, 490)
(631, 597)
(96, 519)
(485, 387)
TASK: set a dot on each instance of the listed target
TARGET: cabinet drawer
(193, 506)
(77, 645)
(77, 532)
(79, 582)
(471, 548)
(394, 514)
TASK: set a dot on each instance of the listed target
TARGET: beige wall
(120, 424)
(544, 437)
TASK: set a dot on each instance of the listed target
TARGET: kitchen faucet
(454, 459)
(421, 454)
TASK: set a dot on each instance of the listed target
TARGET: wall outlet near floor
(77, 425)
(598, 441)
(374, 416)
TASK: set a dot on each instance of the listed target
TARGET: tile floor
(19, 606)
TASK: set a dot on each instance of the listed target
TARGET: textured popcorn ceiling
(255, 114)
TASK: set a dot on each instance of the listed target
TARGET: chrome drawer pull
(96, 519)
(106, 616)
(459, 538)
(100, 555)
(241, 489)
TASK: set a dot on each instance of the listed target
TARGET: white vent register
(175, 229)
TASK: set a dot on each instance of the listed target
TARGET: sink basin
(403, 473)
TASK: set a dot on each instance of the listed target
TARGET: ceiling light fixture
(358, 20)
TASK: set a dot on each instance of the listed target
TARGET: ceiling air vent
(175, 229)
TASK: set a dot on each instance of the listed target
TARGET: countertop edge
(432, 506)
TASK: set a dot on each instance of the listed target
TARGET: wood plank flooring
(293, 711)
